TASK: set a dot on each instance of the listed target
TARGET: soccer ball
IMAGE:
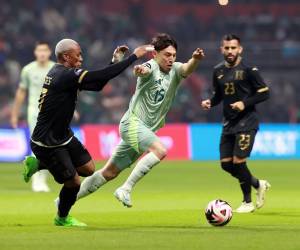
(218, 212)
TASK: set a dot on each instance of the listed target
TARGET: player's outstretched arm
(97, 79)
(188, 67)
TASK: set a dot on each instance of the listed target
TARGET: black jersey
(59, 96)
(57, 104)
(239, 83)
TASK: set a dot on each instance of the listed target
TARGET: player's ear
(65, 57)
(240, 50)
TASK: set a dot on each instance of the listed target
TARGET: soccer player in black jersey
(53, 142)
(240, 87)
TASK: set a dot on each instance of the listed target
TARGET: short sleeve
(24, 81)
(256, 80)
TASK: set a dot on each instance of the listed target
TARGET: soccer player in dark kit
(240, 87)
(52, 141)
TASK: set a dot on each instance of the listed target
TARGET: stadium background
(269, 34)
(168, 211)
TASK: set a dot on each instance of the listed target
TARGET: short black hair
(229, 37)
(162, 41)
(42, 42)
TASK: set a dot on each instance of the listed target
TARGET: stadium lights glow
(223, 2)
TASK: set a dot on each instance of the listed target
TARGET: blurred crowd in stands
(269, 31)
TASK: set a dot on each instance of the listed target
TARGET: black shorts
(62, 161)
(239, 144)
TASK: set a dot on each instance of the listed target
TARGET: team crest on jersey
(239, 75)
(148, 65)
(78, 71)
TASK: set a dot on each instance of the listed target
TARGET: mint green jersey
(32, 79)
(155, 94)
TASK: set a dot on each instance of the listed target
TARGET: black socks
(67, 198)
(242, 173)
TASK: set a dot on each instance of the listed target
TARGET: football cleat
(30, 167)
(123, 196)
(245, 208)
(68, 221)
(261, 193)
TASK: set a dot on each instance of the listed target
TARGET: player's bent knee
(227, 166)
(87, 169)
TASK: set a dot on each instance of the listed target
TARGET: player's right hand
(143, 50)
(119, 53)
(206, 104)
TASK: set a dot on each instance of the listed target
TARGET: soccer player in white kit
(157, 83)
(32, 79)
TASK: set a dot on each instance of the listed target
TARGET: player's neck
(236, 63)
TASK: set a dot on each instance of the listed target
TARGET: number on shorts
(244, 141)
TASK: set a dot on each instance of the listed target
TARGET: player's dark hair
(42, 42)
(230, 37)
(162, 41)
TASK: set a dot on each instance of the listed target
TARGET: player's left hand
(238, 106)
(119, 53)
(198, 54)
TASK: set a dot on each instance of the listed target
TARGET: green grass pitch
(167, 213)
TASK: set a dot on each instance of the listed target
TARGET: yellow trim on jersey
(263, 90)
(82, 75)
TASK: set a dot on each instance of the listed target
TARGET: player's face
(231, 50)
(42, 53)
(74, 57)
(165, 58)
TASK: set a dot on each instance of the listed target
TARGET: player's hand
(140, 70)
(198, 54)
(119, 53)
(238, 106)
(143, 50)
(206, 104)
(14, 121)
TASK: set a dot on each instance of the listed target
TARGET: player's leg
(226, 153)
(142, 139)
(59, 163)
(261, 186)
(39, 179)
(122, 158)
(243, 145)
(156, 152)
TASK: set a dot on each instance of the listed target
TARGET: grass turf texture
(167, 213)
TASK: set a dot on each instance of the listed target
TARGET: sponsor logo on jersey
(148, 65)
(78, 71)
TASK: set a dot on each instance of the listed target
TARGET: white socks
(91, 184)
(141, 169)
